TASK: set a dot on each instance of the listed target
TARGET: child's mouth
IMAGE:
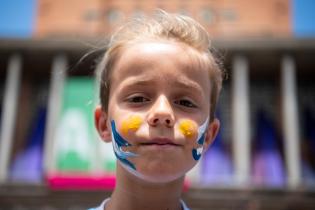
(160, 143)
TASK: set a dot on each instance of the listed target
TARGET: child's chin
(159, 179)
(156, 171)
(159, 175)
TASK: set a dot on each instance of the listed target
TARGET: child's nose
(161, 113)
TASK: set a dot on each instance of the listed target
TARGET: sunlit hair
(162, 26)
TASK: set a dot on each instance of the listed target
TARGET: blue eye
(185, 103)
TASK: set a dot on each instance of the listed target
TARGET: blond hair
(162, 26)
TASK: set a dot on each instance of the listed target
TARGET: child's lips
(160, 143)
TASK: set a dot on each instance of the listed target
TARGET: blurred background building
(222, 18)
(264, 155)
(226, 18)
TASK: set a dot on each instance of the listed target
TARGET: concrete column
(9, 109)
(59, 68)
(290, 121)
(240, 120)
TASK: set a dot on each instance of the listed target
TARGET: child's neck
(135, 194)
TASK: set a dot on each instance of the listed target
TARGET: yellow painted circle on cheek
(131, 123)
(188, 128)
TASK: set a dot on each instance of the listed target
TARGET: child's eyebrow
(189, 85)
(135, 81)
(180, 83)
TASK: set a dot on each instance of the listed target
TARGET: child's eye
(186, 103)
(137, 99)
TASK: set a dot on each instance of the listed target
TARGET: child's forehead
(160, 46)
(142, 54)
(161, 61)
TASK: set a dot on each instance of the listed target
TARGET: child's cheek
(131, 124)
(188, 128)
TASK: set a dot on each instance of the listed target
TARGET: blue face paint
(122, 156)
(118, 143)
(197, 152)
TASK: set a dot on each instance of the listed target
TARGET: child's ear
(213, 130)
(100, 120)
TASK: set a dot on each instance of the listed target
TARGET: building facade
(222, 18)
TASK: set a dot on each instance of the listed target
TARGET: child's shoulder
(102, 206)
(184, 206)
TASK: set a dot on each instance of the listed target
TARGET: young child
(159, 89)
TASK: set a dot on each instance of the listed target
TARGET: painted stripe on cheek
(197, 152)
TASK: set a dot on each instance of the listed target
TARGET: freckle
(131, 123)
(188, 128)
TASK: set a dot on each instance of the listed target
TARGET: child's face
(159, 99)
